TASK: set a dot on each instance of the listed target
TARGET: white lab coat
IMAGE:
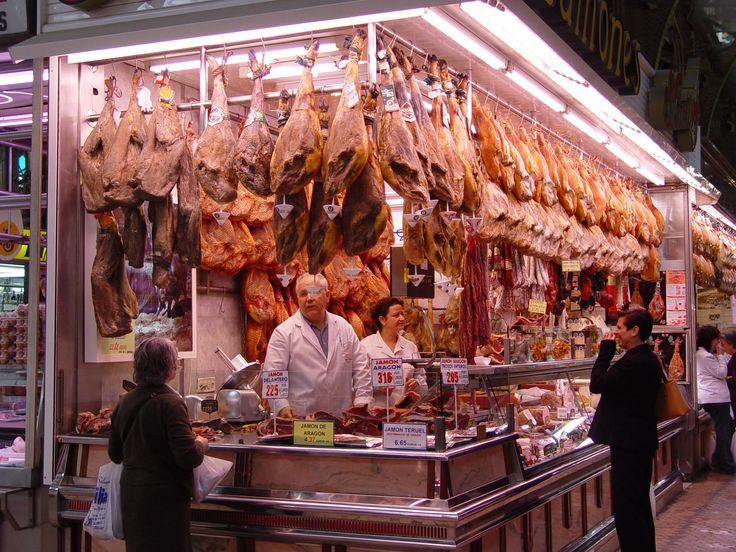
(712, 371)
(376, 347)
(319, 383)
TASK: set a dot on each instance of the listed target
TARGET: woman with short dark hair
(152, 437)
(714, 397)
(387, 342)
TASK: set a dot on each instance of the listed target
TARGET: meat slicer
(237, 400)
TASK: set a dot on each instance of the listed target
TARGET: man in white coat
(322, 355)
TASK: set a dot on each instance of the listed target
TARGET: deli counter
(509, 483)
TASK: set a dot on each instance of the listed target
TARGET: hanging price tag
(388, 93)
(537, 306)
(405, 436)
(407, 112)
(314, 434)
(572, 265)
(387, 372)
(275, 385)
(351, 94)
(454, 371)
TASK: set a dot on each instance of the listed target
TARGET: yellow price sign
(537, 306)
(314, 434)
(571, 266)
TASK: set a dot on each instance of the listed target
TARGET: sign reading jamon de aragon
(598, 36)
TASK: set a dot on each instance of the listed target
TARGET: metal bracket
(18, 506)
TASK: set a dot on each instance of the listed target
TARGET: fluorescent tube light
(452, 31)
(20, 77)
(624, 156)
(282, 54)
(583, 125)
(536, 90)
(652, 177)
(19, 120)
(240, 36)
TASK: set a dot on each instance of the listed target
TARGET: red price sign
(387, 372)
(454, 371)
(275, 385)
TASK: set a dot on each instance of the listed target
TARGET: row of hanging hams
(714, 254)
(122, 166)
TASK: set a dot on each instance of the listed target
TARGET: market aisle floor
(701, 518)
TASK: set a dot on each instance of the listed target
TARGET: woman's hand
(202, 442)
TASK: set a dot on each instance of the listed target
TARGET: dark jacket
(152, 437)
(626, 416)
(731, 381)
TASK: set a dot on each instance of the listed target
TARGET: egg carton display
(14, 336)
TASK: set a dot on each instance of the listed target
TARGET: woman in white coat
(388, 316)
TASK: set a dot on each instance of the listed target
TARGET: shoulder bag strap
(134, 415)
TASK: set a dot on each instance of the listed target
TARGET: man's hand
(287, 412)
(412, 385)
(608, 336)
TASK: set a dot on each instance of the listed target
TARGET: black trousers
(631, 475)
(721, 414)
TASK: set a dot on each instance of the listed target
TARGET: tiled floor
(701, 518)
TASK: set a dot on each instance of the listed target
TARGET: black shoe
(731, 470)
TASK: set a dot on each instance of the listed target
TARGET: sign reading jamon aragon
(598, 36)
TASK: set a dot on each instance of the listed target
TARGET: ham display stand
(483, 495)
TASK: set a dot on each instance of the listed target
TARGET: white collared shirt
(712, 371)
(376, 347)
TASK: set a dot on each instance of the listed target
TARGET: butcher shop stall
(460, 157)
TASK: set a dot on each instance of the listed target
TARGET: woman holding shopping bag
(152, 437)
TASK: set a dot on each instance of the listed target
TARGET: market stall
(202, 179)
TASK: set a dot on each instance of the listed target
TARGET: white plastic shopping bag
(208, 474)
(104, 519)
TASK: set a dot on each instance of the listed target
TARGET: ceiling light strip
(240, 36)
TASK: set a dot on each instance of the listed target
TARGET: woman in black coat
(152, 437)
(626, 421)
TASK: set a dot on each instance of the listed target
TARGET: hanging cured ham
(347, 148)
(364, 214)
(159, 167)
(163, 232)
(92, 155)
(213, 150)
(461, 136)
(251, 156)
(440, 117)
(397, 152)
(441, 186)
(252, 209)
(291, 232)
(134, 235)
(188, 214)
(413, 238)
(114, 302)
(118, 170)
(325, 233)
(258, 296)
(297, 154)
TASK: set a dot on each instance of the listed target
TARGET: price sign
(454, 371)
(572, 265)
(314, 434)
(537, 306)
(275, 385)
(405, 436)
(209, 406)
(387, 372)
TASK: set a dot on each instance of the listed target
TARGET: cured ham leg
(297, 154)
(325, 234)
(188, 214)
(118, 170)
(160, 163)
(163, 230)
(442, 186)
(347, 148)
(134, 235)
(397, 152)
(114, 302)
(211, 158)
(413, 239)
(92, 155)
(364, 214)
(292, 232)
(251, 156)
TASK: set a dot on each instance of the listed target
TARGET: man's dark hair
(706, 335)
(154, 361)
(381, 309)
(638, 317)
